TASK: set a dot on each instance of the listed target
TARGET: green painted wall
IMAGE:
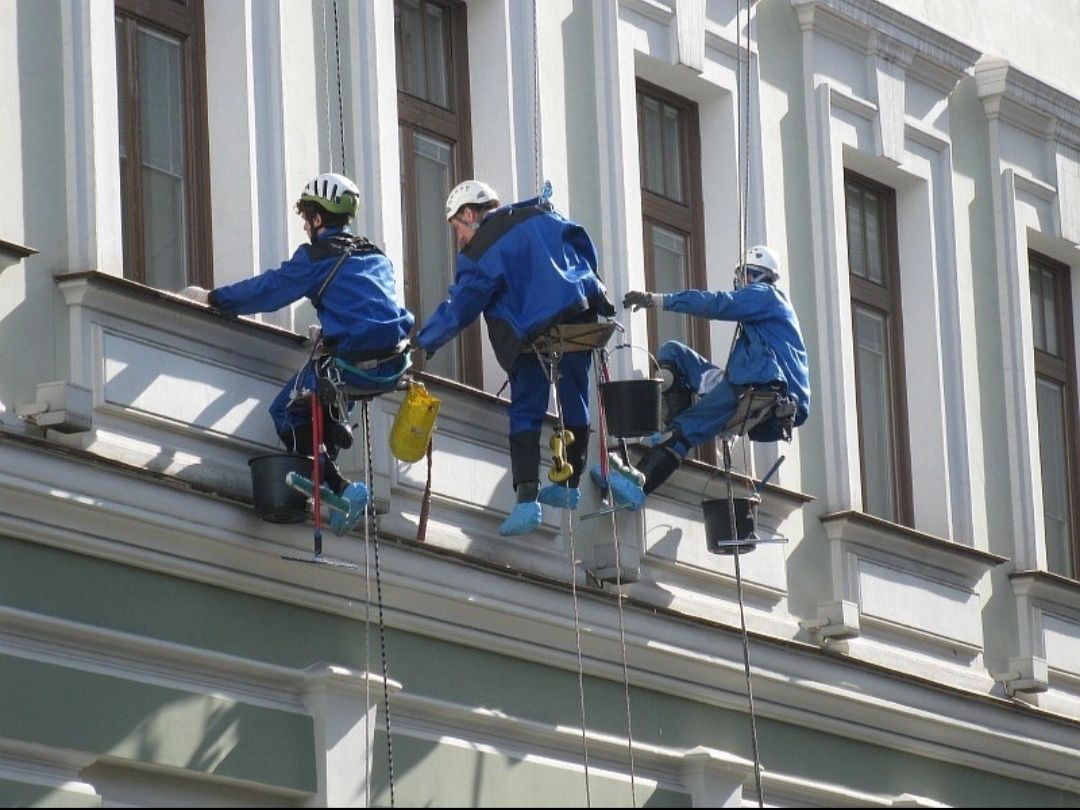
(429, 774)
(23, 794)
(64, 707)
(96, 592)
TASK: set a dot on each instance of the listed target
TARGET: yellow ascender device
(562, 470)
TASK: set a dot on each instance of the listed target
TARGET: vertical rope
(601, 412)
(367, 628)
(378, 595)
(536, 91)
(326, 87)
(553, 378)
(340, 105)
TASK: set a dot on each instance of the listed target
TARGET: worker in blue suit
(769, 351)
(351, 284)
(526, 268)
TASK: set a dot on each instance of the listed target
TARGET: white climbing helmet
(471, 192)
(334, 192)
(761, 264)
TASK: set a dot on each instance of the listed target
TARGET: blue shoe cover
(560, 496)
(357, 496)
(625, 490)
(525, 517)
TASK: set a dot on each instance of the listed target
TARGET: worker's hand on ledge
(641, 300)
(199, 294)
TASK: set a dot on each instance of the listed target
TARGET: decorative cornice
(1040, 108)
(889, 32)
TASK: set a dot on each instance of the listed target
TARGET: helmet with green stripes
(334, 192)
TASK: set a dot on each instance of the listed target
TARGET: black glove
(639, 300)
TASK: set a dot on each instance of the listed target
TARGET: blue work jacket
(526, 268)
(358, 311)
(770, 347)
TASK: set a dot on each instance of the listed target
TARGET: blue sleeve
(471, 292)
(267, 291)
(751, 303)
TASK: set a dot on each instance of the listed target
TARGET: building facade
(914, 642)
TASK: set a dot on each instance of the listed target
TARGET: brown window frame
(183, 19)
(451, 125)
(885, 300)
(685, 218)
(1063, 371)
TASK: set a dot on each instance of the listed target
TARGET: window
(873, 265)
(164, 157)
(1055, 397)
(433, 113)
(670, 156)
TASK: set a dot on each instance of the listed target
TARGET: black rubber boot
(577, 454)
(525, 457)
(658, 466)
(298, 440)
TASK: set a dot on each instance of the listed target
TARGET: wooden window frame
(184, 20)
(1063, 371)
(886, 300)
(454, 126)
(687, 219)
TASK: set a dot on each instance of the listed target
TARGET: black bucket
(718, 524)
(276, 501)
(632, 407)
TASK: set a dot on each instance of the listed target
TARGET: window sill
(906, 596)
(15, 251)
(1048, 611)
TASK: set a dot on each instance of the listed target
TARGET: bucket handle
(757, 487)
(655, 362)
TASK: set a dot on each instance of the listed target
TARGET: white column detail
(95, 238)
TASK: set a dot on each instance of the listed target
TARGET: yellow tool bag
(414, 424)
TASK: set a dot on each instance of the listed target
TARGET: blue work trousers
(530, 390)
(708, 416)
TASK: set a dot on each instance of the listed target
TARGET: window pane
(856, 246)
(126, 192)
(436, 258)
(1050, 398)
(1038, 324)
(875, 413)
(652, 146)
(412, 36)
(673, 153)
(1049, 306)
(437, 66)
(874, 245)
(669, 261)
(162, 144)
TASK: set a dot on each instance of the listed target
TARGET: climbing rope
(341, 108)
(378, 595)
(601, 412)
(326, 84)
(552, 373)
(744, 107)
(536, 92)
